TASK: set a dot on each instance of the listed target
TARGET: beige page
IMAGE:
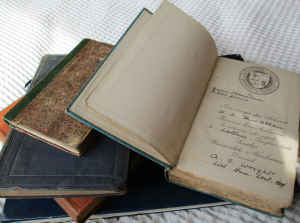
(246, 130)
(150, 96)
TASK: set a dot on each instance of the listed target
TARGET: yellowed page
(246, 130)
(150, 96)
(80, 108)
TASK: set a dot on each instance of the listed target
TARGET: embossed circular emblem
(259, 80)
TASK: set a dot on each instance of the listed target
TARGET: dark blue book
(149, 193)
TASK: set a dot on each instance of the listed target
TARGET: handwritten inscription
(253, 126)
(235, 133)
(262, 174)
(262, 155)
(235, 95)
(219, 143)
(254, 115)
(261, 122)
(245, 134)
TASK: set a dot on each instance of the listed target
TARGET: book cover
(41, 112)
(46, 64)
(149, 193)
(32, 168)
(214, 123)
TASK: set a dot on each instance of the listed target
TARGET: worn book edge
(12, 113)
(213, 195)
(173, 180)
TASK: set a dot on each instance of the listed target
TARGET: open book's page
(150, 96)
(245, 133)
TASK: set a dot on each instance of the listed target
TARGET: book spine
(68, 208)
(84, 218)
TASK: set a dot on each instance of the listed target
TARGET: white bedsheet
(265, 32)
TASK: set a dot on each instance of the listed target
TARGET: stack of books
(206, 123)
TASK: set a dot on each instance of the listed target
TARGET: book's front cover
(30, 165)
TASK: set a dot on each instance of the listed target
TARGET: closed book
(149, 193)
(40, 113)
(32, 168)
(221, 126)
(46, 64)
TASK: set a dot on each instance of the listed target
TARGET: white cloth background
(265, 32)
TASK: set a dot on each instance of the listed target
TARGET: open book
(220, 126)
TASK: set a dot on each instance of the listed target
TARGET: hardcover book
(224, 127)
(32, 168)
(149, 193)
(46, 64)
(40, 113)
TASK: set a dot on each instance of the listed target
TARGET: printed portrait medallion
(259, 80)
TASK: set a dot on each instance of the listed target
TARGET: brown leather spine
(68, 207)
